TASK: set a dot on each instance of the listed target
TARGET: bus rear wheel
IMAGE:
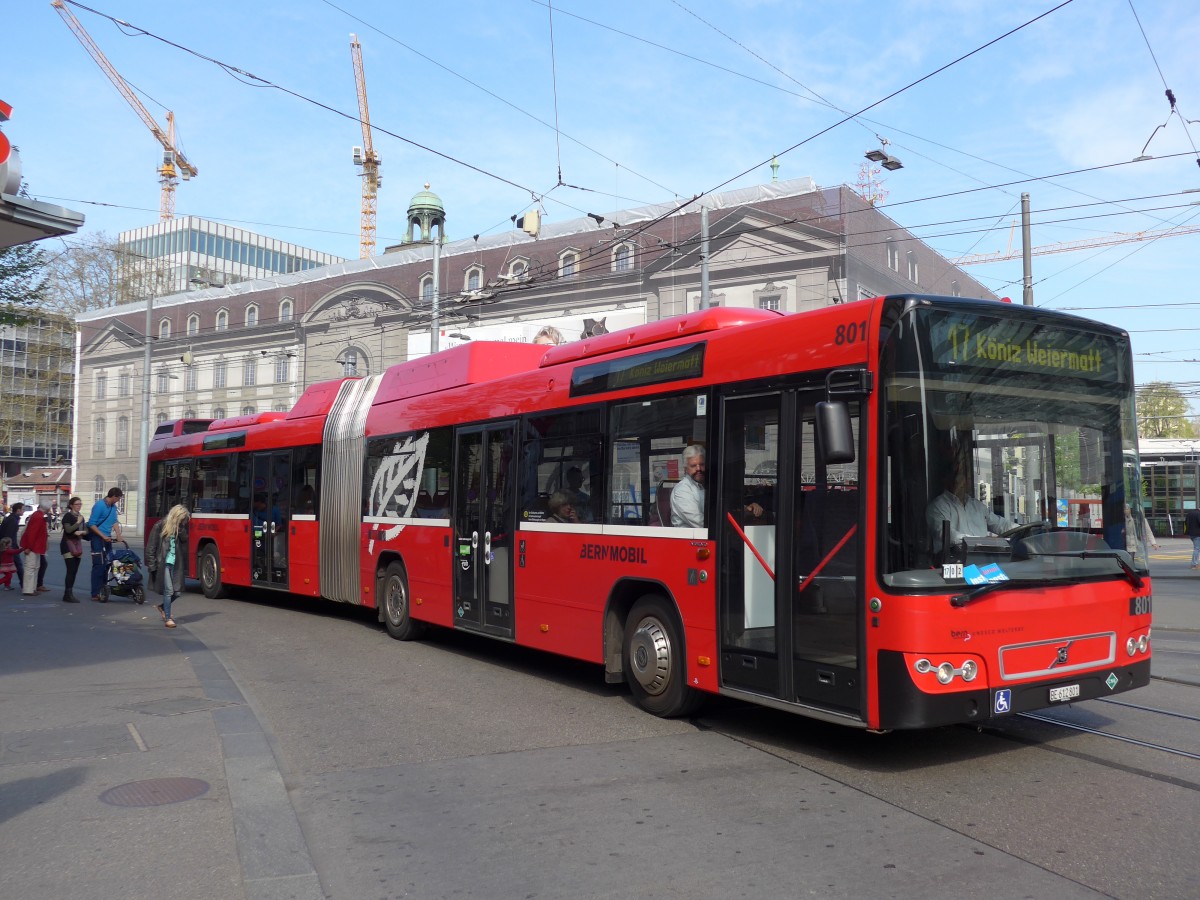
(393, 603)
(210, 573)
(654, 662)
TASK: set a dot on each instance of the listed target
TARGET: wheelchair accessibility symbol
(1003, 701)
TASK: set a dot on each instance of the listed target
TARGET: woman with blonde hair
(166, 554)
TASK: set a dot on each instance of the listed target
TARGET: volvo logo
(1061, 655)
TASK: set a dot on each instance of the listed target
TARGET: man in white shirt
(687, 497)
(965, 516)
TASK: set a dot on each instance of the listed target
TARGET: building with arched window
(787, 246)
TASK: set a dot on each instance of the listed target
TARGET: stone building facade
(255, 346)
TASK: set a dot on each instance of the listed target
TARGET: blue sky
(653, 99)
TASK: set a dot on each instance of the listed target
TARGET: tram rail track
(1137, 742)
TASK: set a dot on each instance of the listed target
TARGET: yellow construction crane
(174, 164)
(365, 157)
(1108, 240)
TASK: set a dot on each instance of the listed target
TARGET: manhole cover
(155, 792)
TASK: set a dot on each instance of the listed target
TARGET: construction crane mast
(365, 157)
(1110, 240)
(174, 163)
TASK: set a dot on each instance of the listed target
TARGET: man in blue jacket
(101, 523)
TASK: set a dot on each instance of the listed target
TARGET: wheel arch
(624, 594)
(386, 558)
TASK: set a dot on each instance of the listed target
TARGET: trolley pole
(704, 257)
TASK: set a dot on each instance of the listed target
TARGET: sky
(581, 107)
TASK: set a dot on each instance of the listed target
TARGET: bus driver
(687, 497)
(956, 510)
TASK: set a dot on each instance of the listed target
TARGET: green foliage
(22, 283)
(1162, 412)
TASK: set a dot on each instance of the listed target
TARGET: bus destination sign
(655, 367)
(1009, 346)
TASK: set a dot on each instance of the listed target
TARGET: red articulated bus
(851, 513)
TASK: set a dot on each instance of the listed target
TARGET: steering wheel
(1024, 531)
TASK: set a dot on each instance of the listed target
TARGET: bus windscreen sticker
(654, 367)
(394, 487)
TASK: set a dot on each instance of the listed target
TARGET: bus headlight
(1143, 643)
(969, 670)
(1131, 646)
(945, 673)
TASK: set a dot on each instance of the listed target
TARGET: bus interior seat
(660, 510)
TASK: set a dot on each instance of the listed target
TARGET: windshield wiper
(959, 600)
(1130, 573)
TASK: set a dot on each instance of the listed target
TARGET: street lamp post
(144, 445)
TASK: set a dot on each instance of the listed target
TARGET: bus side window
(561, 452)
(648, 439)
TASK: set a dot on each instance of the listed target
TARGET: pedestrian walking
(71, 545)
(9, 556)
(34, 543)
(166, 550)
(1192, 524)
(11, 528)
(103, 527)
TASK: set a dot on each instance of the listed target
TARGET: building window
(280, 407)
(159, 418)
(222, 319)
(189, 413)
(219, 374)
(568, 263)
(283, 370)
(350, 363)
(247, 410)
(893, 255)
(518, 267)
(189, 378)
(770, 301)
(622, 258)
(474, 280)
(101, 385)
(123, 384)
(250, 372)
(193, 326)
(123, 435)
(427, 288)
(251, 316)
(285, 311)
(98, 486)
(164, 382)
(955, 289)
(99, 435)
(164, 329)
(913, 273)
(218, 412)
(123, 484)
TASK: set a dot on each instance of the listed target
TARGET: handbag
(75, 545)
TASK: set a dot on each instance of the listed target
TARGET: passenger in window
(958, 513)
(562, 508)
(687, 497)
(582, 501)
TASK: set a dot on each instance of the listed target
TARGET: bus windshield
(1010, 450)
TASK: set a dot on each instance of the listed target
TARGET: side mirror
(835, 436)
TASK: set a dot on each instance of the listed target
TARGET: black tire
(654, 660)
(210, 573)
(394, 606)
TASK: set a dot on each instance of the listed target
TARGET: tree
(1162, 412)
(22, 283)
(84, 276)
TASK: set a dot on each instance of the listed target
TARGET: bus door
(270, 517)
(484, 527)
(789, 539)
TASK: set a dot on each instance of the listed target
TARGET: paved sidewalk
(130, 763)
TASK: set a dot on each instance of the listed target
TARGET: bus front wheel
(393, 601)
(210, 573)
(654, 662)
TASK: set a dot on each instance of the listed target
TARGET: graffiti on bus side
(397, 481)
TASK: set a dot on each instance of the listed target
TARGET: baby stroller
(124, 576)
